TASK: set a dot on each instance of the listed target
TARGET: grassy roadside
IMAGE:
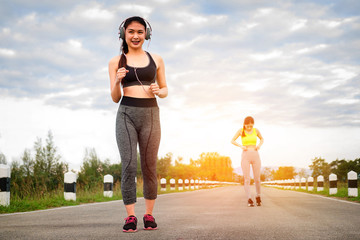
(56, 199)
(342, 192)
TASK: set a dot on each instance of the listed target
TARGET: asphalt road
(219, 213)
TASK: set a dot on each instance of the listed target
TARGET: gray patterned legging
(138, 125)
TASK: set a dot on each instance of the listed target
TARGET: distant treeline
(42, 173)
(319, 167)
(338, 167)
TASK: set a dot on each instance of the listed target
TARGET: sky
(292, 65)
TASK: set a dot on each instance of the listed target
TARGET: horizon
(293, 66)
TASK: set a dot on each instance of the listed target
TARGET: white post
(207, 183)
(186, 184)
(201, 183)
(293, 183)
(303, 183)
(297, 182)
(192, 184)
(288, 183)
(320, 183)
(4, 185)
(333, 184)
(180, 185)
(352, 184)
(108, 185)
(163, 184)
(310, 184)
(70, 186)
(196, 184)
(172, 184)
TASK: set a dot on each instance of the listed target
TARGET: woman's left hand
(257, 148)
(155, 89)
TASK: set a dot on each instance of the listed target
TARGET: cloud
(279, 59)
(7, 52)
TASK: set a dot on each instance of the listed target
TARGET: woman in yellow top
(250, 155)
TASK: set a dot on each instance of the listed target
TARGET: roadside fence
(309, 184)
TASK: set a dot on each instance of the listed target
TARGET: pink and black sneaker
(149, 222)
(130, 224)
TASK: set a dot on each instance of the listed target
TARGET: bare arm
(261, 139)
(236, 136)
(160, 88)
(116, 75)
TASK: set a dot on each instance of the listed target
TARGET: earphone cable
(141, 83)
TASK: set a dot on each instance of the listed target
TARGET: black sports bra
(146, 75)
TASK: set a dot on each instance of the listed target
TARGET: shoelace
(149, 218)
(130, 220)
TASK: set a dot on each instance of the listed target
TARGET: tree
(283, 173)
(357, 166)
(265, 174)
(182, 171)
(302, 173)
(48, 171)
(163, 165)
(320, 167)
(213, 166)
(91, 173)
(40, 174)
(342, 167)
(114, 170)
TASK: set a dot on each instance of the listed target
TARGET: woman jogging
(142, 77)
(250, 155)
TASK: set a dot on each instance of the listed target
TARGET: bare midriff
(138, 92)
(251, 147)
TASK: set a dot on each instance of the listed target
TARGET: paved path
(219, 213)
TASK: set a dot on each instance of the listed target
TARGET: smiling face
(135, 35)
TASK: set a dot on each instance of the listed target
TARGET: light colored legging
(251, 157)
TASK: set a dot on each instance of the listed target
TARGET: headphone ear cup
(122, 33)
(148, 34)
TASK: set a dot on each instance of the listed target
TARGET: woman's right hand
(244, 148)
(120, 74)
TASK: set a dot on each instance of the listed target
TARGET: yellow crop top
(249, 139)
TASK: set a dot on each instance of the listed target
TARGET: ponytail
(243, 132)
(124, 50)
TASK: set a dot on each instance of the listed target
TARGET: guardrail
(308, 184)
(192, 184)
(70, 179)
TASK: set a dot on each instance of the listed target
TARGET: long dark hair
(124, 46)
(247, 120)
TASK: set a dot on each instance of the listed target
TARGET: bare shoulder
(257, 131)
(157, 58)
(114, 60)
(239, 131)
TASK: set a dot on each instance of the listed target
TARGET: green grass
(56, 198)
(342, 192)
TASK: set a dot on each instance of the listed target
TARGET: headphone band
(148, 29)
